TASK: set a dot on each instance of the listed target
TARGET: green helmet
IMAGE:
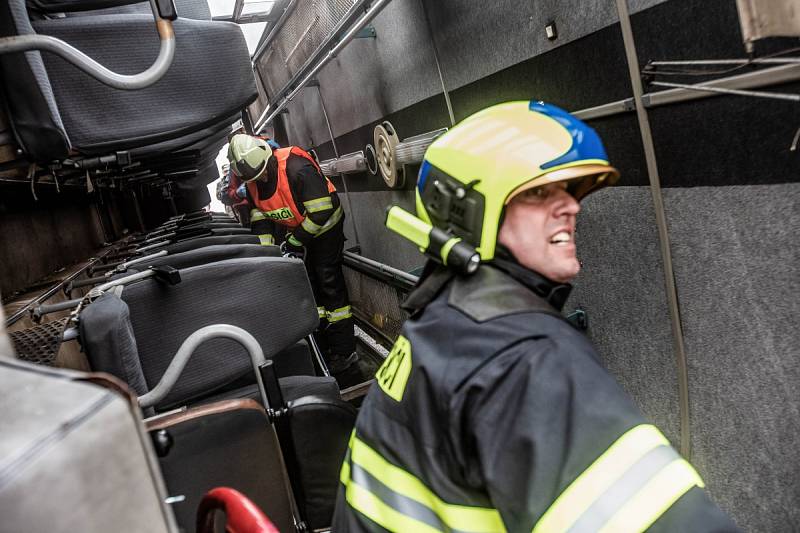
(248, 156)
(470, 173)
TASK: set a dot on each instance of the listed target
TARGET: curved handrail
(24, 43)
(176, 366)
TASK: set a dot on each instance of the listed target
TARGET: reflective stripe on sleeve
(322, 312)
(256, 215)
(318, 204)
(607, 496)
(316, 230)
(340, 314)
(266, 239)
(399, 501)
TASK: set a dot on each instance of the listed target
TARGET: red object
(280, 207)
(243, 516)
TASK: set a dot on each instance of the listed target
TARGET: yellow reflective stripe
(266, 239)
(318, 204)
(447, 247)
(596, 480)
(373, 508)
(322, 312)
(458, 517)
(310, 226)
(340, 314)
(655, 498)
(256, 215)
(317, 230)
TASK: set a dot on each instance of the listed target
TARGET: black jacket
(491, 406)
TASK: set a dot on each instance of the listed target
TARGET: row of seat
(170, 130)
(210, 429)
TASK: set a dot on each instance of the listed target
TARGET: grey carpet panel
(269, 297)
(621, 288)
(194, 94)
(735, 251)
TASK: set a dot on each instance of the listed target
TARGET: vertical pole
(438, 67)
(661, 223)
(138, 208)
(247, 121)
(336, 153)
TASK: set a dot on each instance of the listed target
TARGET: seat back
(201, 242)
(74, 455)
(225, 444)
(270, 297)
(320, 428)
(54, 107)
(209, 254)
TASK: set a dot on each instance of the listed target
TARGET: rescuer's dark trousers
(324, 266)
(243, 214)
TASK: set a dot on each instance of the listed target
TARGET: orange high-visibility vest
(280, 207)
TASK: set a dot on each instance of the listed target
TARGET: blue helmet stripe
(423, 175)
(586, 143)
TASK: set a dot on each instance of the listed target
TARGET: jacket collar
(556, 294)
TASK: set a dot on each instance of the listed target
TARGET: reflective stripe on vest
(627, 488)
(281, 207)
(398, 501)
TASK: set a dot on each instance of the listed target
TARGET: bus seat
(320, 460)
(269, 297)
(229, 443)
(74, 455)
(178, 247)
(56, 108)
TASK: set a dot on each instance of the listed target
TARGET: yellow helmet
(248, 156)
(471, 172)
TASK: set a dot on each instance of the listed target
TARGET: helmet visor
(581, 180)
(246, 172)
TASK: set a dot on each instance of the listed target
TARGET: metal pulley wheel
(385, 140)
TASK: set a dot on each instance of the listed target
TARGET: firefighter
(492, 412)
(285, 187)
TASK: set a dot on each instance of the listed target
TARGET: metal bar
(738, 92)
(336, 153)
(751, 80)
(45, 309)
(712, 62)
(176, 366)
(438, 67)
(373, 11)
(46, 43)
(661, 222)
(237, 10)
(402, 280)
(54, 289)
(312, 342)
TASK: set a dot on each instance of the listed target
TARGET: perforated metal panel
(304, 31)
(39, 344)
(376, 302)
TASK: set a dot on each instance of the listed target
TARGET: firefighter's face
(539, 229)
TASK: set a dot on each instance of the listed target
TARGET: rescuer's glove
(291, 246)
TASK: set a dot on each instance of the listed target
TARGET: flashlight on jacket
(434, 242)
